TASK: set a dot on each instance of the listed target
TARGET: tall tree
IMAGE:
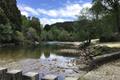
(97, 9)
(112, 7)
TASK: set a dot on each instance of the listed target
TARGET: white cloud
(51, 13)
(72, 10)
(31, 10)
(25, 13)
(25, 10)
(88, 5)
(68, 11)
(57, 15)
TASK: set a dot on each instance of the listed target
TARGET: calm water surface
(19, 53)
(42, 59)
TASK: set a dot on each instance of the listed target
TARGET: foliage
(101, 21)
(68, 26)
(19, 36)
(55, 34)
(32, 34)
(111, 7)
(35, 23)
(107, 18)
(3, 17)
(12, 13)
(31, 28)
(5, 33)
(85, 28)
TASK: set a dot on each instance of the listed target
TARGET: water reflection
(18, 53)
(42, 59)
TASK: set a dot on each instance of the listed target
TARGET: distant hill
(68, 26)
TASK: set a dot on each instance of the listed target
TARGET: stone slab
(31, 76)
(14, 75)
(50, 77)
(71, 78)
(3, 72)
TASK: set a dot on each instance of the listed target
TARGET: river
(42, 59)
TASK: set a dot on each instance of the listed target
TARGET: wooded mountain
(68, 26)
(10, 13)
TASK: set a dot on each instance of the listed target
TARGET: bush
(3, 18)
(32, 35)
(5, 33)
(19, 36)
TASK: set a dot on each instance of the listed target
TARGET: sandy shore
(70, 43)
(110, 44)
(94, 41)
(109, 71)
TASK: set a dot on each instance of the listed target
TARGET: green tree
(97, 9)
(64, 36)
(3, 17)
(43, 36)
(5, 33)
(31, 35)
(19, 36)
(35, 23)
(12, 12)
(55, 33)
(112, 7)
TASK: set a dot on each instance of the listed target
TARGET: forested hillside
(15, 28)
(101, 21)
(68, 26)
(10, 13)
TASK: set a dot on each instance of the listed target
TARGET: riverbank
(69, 43)
(44, 67)
(109, 71)
(42, 60)
(61, 62)
(94, 51)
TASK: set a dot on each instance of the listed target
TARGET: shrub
(5, 33)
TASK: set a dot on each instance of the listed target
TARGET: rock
(31, 76)
(3, 73)
(14, 75)
(50, 77)
(54, 59)
(72, 78)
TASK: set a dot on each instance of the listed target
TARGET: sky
(52, 11)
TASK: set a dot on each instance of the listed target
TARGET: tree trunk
(89, 42)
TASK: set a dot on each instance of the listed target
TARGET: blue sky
(52, 11)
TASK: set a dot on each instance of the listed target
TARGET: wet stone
(72, 78)
(50, 77)
(31, 76)
(3, 73)
(14, 75)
